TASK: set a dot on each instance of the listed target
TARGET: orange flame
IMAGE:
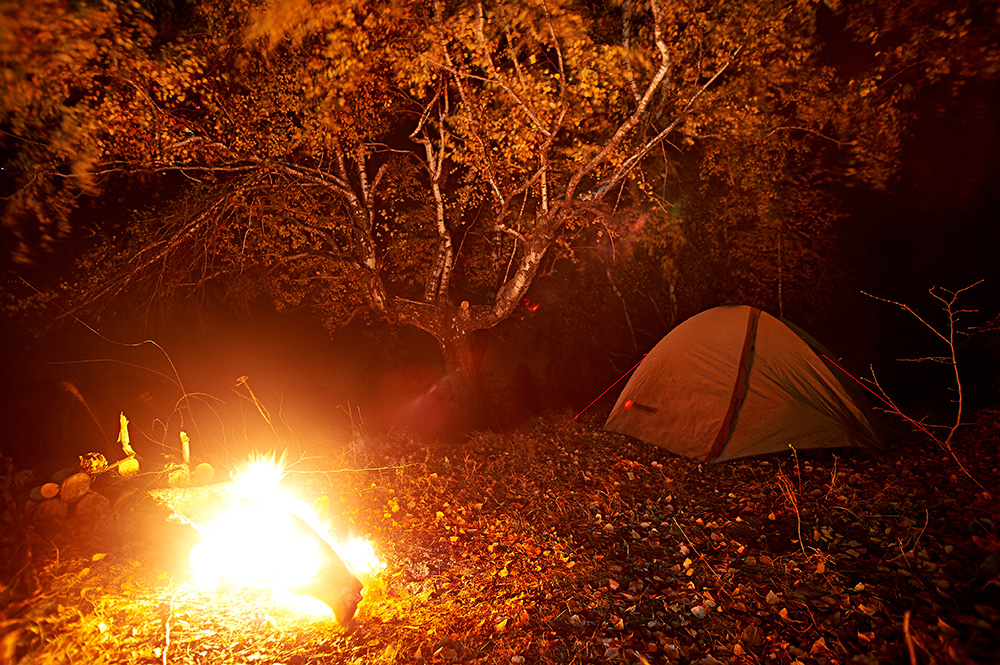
(255, 543)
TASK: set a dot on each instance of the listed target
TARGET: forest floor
(573, 546)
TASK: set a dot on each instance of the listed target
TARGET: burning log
(334, 583)
(74, 487)
(245, 533)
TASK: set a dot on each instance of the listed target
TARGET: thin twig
(947, 334)
(166, 637)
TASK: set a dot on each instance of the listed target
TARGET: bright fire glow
(255, 542)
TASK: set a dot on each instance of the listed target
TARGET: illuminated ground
(571, 547)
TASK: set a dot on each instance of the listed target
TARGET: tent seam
(739, 386)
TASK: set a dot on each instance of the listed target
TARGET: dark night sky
(937, 225)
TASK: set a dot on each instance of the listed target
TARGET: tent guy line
(892, 407)
(570, 421)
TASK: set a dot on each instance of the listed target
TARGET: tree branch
(484, 153)
(495, 75)
(948, 337)
(619, 136)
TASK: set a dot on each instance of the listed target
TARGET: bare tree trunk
(465, 386)
(453, 328)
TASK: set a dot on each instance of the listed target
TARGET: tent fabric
(735, 382)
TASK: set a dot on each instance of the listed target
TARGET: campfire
(264, 537)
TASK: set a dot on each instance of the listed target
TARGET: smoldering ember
(535, 331)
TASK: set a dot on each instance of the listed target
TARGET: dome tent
(734, 382)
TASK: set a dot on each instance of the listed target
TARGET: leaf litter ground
(574, 546)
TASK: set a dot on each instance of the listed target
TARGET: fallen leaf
(818, 646)
(945, 628)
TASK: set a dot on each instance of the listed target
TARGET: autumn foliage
(422, 161)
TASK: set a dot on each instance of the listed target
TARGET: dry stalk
(788, 491)
(166, 631)
(833, 478)
(909, 638)
(792, 496)
(912, 554)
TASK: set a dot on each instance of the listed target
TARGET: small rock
(203, 474)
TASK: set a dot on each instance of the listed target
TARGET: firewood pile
(66, 496)
(89, 493)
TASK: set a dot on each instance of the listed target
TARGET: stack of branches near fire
(85, 495)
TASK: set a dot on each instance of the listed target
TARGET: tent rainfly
(734, 382)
